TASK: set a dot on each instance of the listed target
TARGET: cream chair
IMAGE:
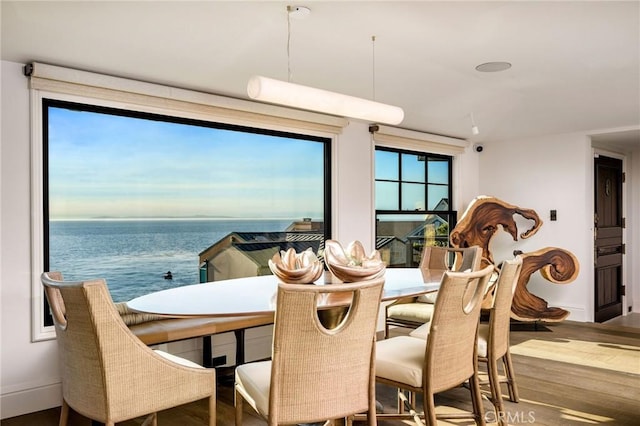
(315, 374)
(412, 312)
(108, 374)
(493, 337)
(447, 358)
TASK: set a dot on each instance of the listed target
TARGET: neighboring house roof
(443, 204)
(381, 242)
(260, 246)
(254, 242)
(261, 252)
(246, 237)
(418, 232)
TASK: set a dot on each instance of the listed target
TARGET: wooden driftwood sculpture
(556, 265)
(477, 226)
(481, 219)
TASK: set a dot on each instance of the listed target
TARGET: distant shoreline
(94, 219)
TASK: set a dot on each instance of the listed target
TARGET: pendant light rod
(294, 95)
(373, 67)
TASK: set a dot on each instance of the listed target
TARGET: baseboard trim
(30, 400)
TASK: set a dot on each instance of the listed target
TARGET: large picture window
(413, 192)
(151, 201)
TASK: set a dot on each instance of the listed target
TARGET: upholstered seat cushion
(177, 359)
(401, 359)
(428, 297)
(255, 378)
(421, 332)
(483, 338)
(415, 312)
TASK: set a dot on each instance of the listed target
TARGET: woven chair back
(321, 373)
(83, 384)
(451, 345)
(108, 374)
(500, 317)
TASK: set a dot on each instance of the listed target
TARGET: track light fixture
(474, 128)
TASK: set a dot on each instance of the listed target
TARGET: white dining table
(257, 295)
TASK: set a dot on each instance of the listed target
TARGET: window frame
(426, 182)
(42, 328)
(451, 213)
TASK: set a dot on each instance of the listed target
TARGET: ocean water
(134, 255)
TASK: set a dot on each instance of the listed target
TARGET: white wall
(545, 173)
(354, 215)
(25, 366)
(466, 172)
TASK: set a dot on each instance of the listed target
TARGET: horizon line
(175, 218)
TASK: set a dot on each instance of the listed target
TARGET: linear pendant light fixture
(295, 95)
(304, 97)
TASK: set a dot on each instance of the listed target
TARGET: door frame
(625, 240)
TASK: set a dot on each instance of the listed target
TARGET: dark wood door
(608, 238)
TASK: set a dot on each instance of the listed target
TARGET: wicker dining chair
(108, 374)
(493, 337)
(412, 312)
(446, 359)
(315, 373)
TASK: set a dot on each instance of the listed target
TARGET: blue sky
(412, 174)
(110, 166)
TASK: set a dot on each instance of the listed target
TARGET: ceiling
(575, 64)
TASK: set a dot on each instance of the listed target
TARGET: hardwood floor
(587, 374)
